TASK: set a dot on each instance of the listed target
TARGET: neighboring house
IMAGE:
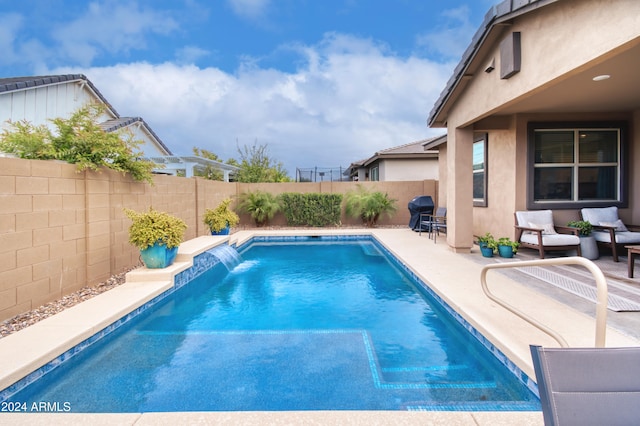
(40, 99)
(543, 112)
(406, 162)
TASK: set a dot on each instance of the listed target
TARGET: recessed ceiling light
(601, 77)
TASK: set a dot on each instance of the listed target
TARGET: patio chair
(535, 230)
(434, 223)
(609, 231)
(588, 386)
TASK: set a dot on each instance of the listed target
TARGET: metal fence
(319, 174)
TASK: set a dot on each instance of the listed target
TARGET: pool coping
(29, 349)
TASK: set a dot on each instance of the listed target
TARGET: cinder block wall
(61, 230)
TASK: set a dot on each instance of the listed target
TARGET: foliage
(506, 241)
(311, 209)
(153, 226)
(368, 205)
(584, 227)
(262, 206)
(78, 140)
(222, 216)
(257, 166)
(488, 241)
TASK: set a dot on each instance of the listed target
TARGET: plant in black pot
(488, 244)
(157, 235)
(221, 219)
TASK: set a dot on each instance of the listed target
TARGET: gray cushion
(627, 237)
(551, 240)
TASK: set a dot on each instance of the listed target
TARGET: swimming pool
(349, 333)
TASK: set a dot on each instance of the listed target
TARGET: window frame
(374, 172)
(484, 201)
(623, 164)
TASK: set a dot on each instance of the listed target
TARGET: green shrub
(78, 140)
(368, 206)
(222, 216)
(311, 209)
(262, 206)
(153, 226)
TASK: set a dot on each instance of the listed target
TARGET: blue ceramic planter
(158, 256)
(505, 251)
(223, 231)
(486, 251)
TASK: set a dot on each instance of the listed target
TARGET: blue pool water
(292, 326)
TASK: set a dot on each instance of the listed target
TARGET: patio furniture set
(536, 230)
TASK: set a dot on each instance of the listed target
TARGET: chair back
(541, 217)
(588, 386)
(441, 212)
(597, 215)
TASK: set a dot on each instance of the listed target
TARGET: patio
(454, 277)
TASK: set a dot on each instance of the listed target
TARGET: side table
(632, 252)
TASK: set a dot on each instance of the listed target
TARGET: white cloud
(451, 38)
(249, 9)
(349, 100)
(190, 54)
(10, 23)
(111, 27)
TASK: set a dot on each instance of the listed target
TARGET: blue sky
(321, 82)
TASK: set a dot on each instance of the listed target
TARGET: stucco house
(542, 112)
(40, 99)
(410, 161)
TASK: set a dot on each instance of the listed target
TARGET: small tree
(257, 166)
(78, 140)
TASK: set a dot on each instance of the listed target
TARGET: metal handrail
(601, 285)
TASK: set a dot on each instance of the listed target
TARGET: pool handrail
(601, 286)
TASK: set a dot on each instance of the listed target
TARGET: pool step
(370, 249)
(433, 376)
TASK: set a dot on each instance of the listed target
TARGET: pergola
(173, 164)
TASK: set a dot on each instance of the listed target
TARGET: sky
(321, 83)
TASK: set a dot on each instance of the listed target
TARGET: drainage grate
(586, 291)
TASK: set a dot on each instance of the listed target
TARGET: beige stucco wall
(554, 46)
(61, 230)
(556, 41)
(408, 169)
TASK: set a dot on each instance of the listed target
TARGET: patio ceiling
(578, 92)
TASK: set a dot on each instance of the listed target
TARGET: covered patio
(542, 112)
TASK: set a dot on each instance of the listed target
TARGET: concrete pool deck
(454, 277)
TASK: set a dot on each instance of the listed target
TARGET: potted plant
(157, 235)
(368, 206)
(262, 206)
(506, 247)
(221, 219)
(488, 244)
(588, 244)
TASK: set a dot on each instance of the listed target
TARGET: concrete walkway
(454, 277)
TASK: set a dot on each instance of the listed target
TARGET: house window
(480, 170)
(373, 174)
(574, 167)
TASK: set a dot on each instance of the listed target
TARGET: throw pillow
(618, 225)
(547, 228)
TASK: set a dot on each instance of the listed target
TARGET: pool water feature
(293, 326)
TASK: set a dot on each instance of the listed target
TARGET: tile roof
(498, 14)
